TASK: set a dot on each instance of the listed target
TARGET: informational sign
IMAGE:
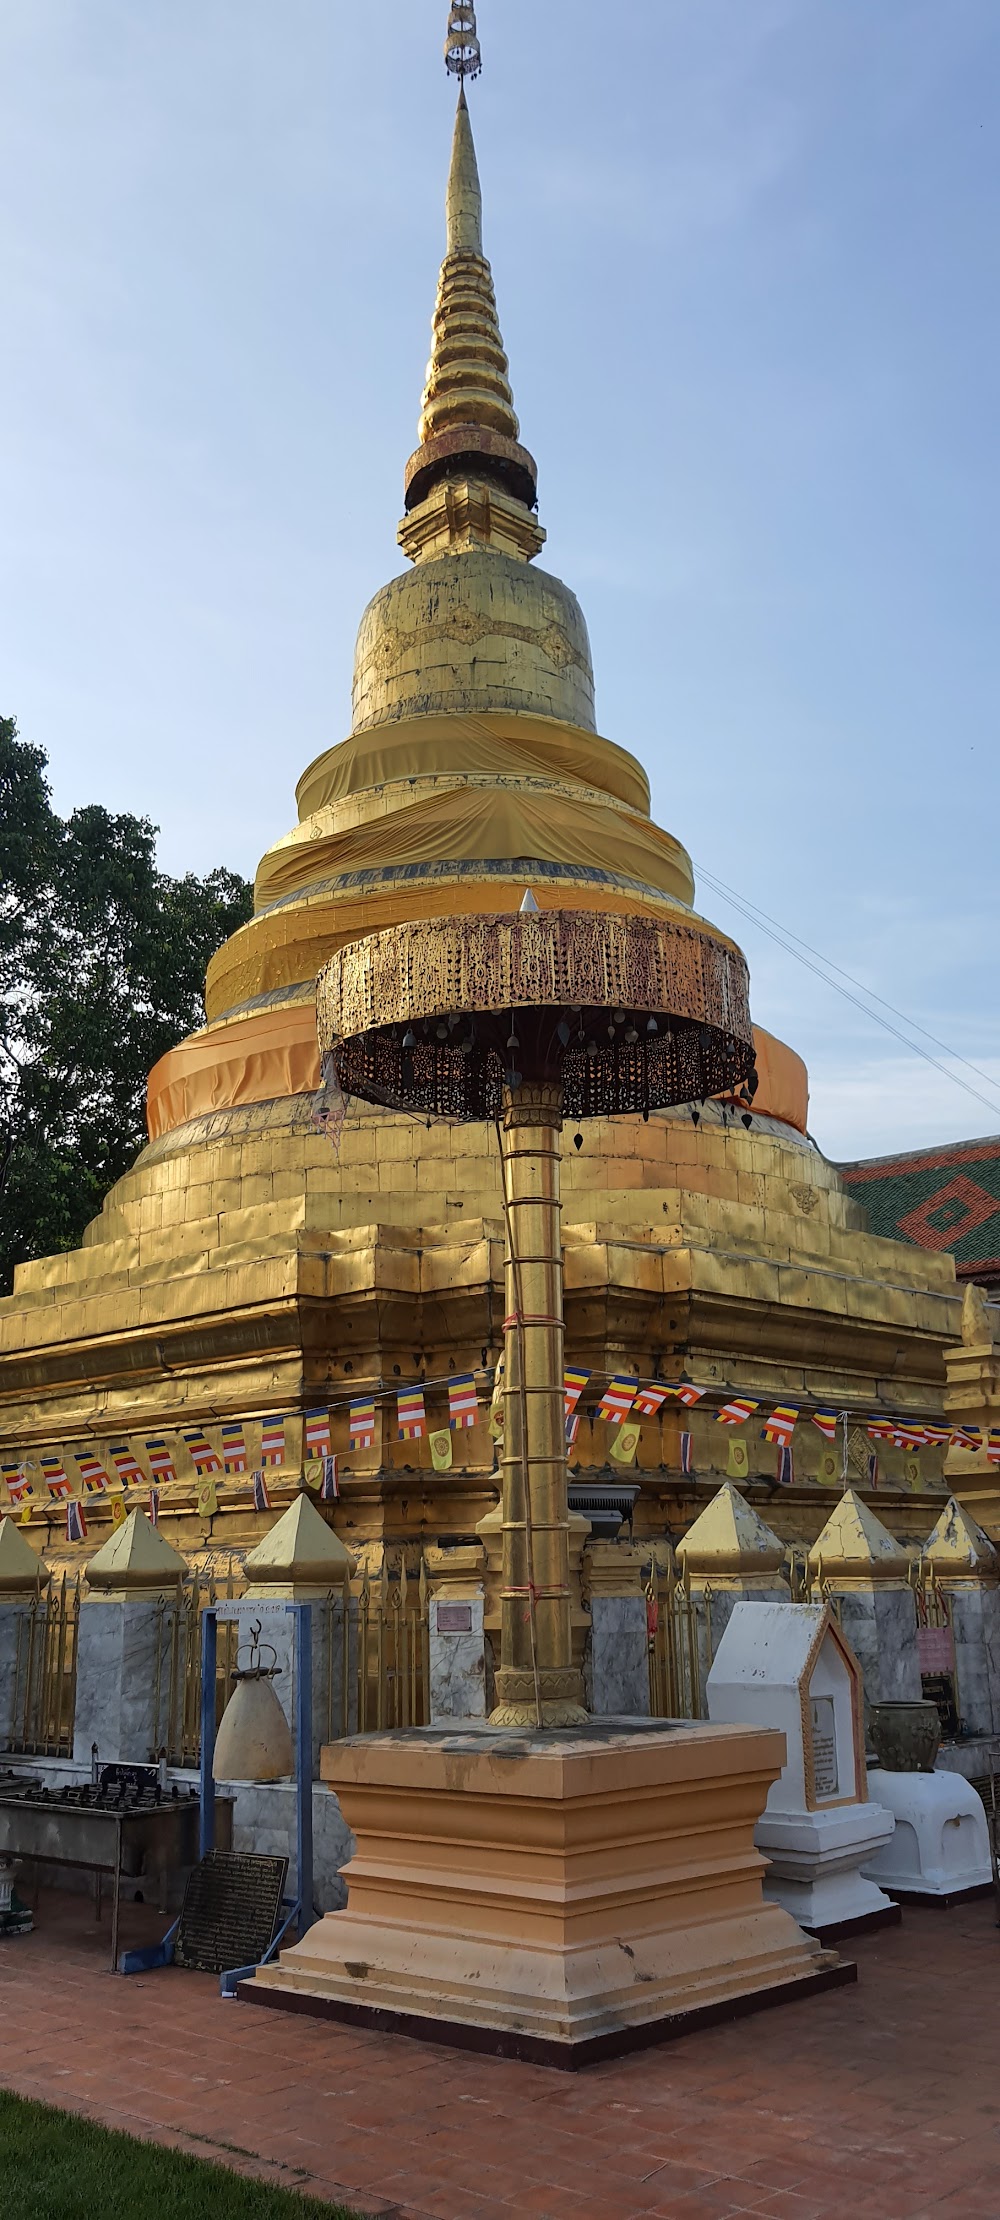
(824, 1744)
(454, 1618)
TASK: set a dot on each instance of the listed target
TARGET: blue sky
(745, 254)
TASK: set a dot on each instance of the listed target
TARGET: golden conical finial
(470, 481)
(462, 53)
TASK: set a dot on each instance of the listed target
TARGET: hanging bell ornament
(461, 47)
(254, 1742)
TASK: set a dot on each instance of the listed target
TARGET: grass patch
(55, 2166)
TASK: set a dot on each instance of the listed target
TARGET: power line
(793, 946)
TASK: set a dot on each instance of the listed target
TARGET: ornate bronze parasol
(522, 1019)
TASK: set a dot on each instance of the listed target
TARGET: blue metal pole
(303, 1761)
(209, 1640)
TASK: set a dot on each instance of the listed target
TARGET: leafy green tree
(102, 968)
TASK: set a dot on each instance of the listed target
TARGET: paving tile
(876, 2103)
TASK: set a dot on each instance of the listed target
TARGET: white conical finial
(528, 903)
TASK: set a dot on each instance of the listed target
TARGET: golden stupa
(247, 1266)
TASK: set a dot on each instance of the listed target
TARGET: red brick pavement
(880, 2102)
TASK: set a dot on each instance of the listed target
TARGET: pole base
(560, 1689)
(561, 1896)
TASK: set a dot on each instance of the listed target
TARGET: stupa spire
(470, 482)
(464, 202)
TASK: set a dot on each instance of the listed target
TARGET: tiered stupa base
(555, 1897)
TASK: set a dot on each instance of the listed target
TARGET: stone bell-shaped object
(254, 1742)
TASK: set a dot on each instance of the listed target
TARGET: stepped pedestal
(554, 1896)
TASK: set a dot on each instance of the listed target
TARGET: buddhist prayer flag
(617, 1401)
(17, 1482)
(76, 1524)
(161, 1463)
(234, 1449)
(993, 1446)
(362, 1423)
(738, 1461)
(785, 1469)
(687, 1393)
(317, 1434)
(827, 1423)
(154, 1506)
(54, 1474)
(781, 1424)
(937, 1436)
(574, 1382)
(92, 1473)
(411, 1414)
(963, 1437)
(873, 1471)
(686, 1447)
(737, 1412)
(203, 1457)
(272, 1441)
(126, 1466)
(650, 1400)
(261, 1499)
(330, 1489)
(625, 1444)
(441, 1450)
(880, 1429)
(463, 1402)
(909, 1437)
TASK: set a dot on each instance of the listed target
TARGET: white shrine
(789, 1665)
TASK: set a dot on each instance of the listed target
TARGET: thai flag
(786, 1469)
(261, 1499)
(330, 1489)
(687, 1467)
(154, 1506)
(76, 1524)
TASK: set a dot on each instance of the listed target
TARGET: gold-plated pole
(536, 1683)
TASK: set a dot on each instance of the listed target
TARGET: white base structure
(816, 1859)
(941, 1843)
(789, 1665)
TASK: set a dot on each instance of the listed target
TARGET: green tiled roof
(940, 1199)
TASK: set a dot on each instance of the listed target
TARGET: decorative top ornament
(461, 47)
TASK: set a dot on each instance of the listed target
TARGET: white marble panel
(458, 1658)
(617, 1668)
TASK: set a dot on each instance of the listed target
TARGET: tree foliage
(102, 968)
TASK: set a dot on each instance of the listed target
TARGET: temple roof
(944, 1199)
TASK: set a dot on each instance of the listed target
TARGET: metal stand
(301, 1912)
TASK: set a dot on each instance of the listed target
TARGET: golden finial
(470, 480)
(461, 47)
